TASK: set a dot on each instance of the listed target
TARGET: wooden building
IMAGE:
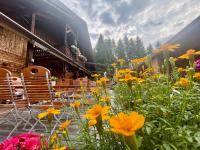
(46, 33)
(188, 38)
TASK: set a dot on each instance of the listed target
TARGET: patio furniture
(10, 106)
(39, 93)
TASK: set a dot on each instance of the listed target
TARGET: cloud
(106, 18)
(152, 20)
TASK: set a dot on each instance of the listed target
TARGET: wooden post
(33, 23)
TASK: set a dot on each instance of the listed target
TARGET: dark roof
(188, 38)
(56, 9)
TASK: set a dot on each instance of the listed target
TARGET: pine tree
(158, 44)
(140, 47)
(126, 45)
(114, 48)
(120, 49)
(109, 58)
(100, 50)
(132, 49)
(149, 49)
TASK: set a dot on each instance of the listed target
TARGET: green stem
(131, 141)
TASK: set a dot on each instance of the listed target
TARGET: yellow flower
(140, 80)
(125, 71)
(113, 65)
(197, 76)
(102, 81)
(58, 94)
(106, 98)
(139, 60)
(64, 125)
(125, 124)
(50, 112)
(54, 138)
(95, 75)
(183, 82)
(56, 147)
(180, 70)
(188, 54)
(95, 91)
(121, 61)
(75, 105)
(128, 78)
(167, 47)
(117, 76)
(97, 113)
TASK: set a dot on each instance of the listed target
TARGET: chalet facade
(188, 38)
(46, 33)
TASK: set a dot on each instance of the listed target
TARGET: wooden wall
(13, 49)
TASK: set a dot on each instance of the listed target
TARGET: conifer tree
(140, 47)
(149, 49)
(120, 49)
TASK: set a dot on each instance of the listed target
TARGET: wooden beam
(33, 23)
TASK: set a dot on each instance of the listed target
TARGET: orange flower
(167, 47)
(75, 105)
(183, 82)
(125, 124)
(189, 53)
(139, 60)
(65, 125)
(197, 76)
(128, 78)
(124, 71)
(113, 65)
(50, 112)
(97, 113)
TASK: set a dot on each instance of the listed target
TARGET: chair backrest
(6, 88)
(37, 84)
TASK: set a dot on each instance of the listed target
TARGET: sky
(152, 20)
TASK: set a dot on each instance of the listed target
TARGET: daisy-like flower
(139, 60)
(102, 81)
(49, 113)
(183, 82)
(95, 91)
(97, 114)
(95, 75)
(125, 71)
(181, 70)
(126, 124)
(75, 105)
(167, 47)
(64, 125)
(114, 65)
(121, 61)
(197, 76)
(189, 53)
(128, 78)
(105, 98)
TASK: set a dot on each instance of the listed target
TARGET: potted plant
(53, 80)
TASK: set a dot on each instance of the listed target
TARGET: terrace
(50, 100)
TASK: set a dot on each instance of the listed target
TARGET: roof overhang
(38, 41)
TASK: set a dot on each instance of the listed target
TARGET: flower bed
(146, 110)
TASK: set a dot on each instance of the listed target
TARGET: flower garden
(135, 108)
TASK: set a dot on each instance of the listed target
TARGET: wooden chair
(9, 104)
(39, 92)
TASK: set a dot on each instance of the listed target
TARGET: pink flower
(27, 141)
